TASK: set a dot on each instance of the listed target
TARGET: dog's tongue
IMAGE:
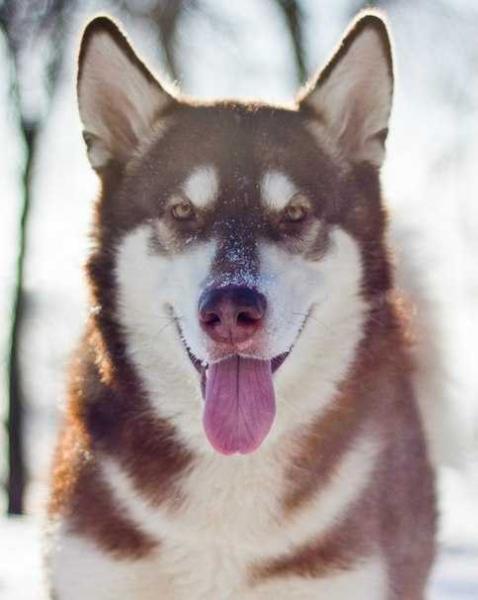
(240, 404)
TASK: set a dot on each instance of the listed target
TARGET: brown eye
(295, 212)
(183, 210)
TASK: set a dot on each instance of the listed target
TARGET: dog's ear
(352, 95)
(118, 98)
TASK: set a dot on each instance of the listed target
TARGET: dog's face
(245, 241)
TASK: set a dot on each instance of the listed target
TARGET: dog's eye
(183, 210)
(296, 211)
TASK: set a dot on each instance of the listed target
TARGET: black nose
(231, 314)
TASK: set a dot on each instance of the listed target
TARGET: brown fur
(108, 424)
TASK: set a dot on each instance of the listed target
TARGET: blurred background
(261, 49)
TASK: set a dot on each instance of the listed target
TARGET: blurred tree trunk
(22, 21)
(16, 406)
(292, 13)
(166, 16)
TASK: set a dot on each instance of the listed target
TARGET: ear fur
(119, 99)
(352, 95)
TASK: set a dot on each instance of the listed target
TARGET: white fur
(201, 186)
(111, 85)
(321, 297)
(84, 572)
(277, 190)
(328, 291)
(148, 285)
(366, 581)
(356, 97)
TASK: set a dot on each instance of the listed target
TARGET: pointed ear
(118, 98)
(352, 96)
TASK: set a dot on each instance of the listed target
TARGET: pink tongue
(240, 404)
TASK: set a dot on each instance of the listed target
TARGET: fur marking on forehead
(201, 186)
(277, 190)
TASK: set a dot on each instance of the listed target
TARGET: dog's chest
(230, 515)
(226, 519)
(231, 502)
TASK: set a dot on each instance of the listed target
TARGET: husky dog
(241, 420)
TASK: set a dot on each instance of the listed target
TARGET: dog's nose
(231, 314)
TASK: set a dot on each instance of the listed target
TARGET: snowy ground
(455, 575)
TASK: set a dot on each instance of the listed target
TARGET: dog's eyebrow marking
(201, 186)
(277, 190)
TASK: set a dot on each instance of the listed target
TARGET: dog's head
(239, 245)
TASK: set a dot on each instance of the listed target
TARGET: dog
(241, 418)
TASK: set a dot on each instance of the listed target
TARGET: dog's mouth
(239, 399)
(202, 366)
